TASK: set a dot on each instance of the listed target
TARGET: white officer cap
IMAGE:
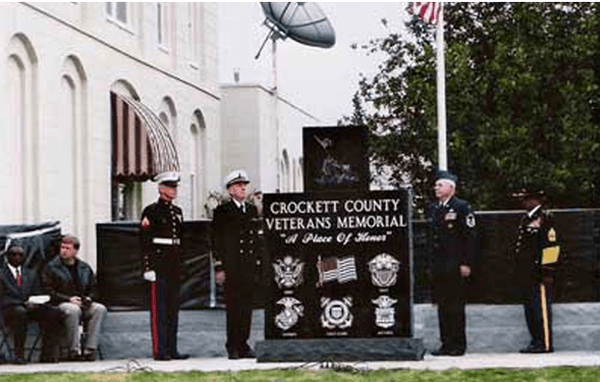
(169, 178)
(237, 176)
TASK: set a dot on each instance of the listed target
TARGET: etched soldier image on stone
(333, 160)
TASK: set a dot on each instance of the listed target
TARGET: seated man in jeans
(73, 285)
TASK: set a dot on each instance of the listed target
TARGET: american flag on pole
(427, 11)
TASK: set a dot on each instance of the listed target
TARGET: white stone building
(60, 62)
(262, 133)
(63, 67)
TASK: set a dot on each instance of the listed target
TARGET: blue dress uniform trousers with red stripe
(454, 244)
(537, 252)
(161, 243)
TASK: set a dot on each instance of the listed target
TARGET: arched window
(198, 167)
(285, 172)
(168, 114)
(69, 162)
(19, 136)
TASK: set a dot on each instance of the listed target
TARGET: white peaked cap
(169, 176)
(237, 176)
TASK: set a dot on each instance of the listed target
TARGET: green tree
(522, 99)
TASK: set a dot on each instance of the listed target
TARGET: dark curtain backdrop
(577, 279)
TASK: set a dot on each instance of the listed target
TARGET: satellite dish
(302, 22)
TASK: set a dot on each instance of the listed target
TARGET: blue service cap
(446, 175)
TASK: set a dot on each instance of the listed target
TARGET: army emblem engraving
(288, 272)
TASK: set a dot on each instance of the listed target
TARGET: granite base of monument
(341, 350)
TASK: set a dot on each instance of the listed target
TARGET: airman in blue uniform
(454, 240)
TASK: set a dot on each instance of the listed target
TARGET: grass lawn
(562, 374)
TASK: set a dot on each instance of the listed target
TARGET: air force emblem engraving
(291, 313)
(385, 315)
(288, 272)
(384, 270)
(336, 313)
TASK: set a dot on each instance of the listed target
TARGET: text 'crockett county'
(351, 214)
(315, 207)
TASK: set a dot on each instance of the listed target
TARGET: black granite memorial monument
(339, 260)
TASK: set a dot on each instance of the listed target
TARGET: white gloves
(150, 276)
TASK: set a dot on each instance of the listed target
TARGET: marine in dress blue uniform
(161, 224)
(236, 245)
(537, 253)
(454, 240)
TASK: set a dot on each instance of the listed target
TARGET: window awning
(141, 144)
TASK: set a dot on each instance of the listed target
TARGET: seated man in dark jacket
(73, 289)
(17, 286)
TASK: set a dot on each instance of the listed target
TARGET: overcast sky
(320, 81)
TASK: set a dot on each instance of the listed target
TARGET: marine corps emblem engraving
(291, 313)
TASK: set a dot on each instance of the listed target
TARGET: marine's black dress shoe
(535, 350)
(180, 356)
(162, 358)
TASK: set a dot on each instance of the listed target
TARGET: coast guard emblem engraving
(336, 313)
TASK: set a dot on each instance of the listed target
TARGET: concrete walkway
(469, 361)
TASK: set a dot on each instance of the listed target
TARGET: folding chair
(5, 333)
(7, 342)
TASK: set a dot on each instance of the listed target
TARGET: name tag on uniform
(450, 216)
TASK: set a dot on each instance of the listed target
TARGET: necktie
(19, 278)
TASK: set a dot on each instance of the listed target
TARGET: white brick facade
(60, 62)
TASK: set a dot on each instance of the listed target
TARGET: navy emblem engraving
(384, 270)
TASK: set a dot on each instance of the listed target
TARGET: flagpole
(441, 92)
